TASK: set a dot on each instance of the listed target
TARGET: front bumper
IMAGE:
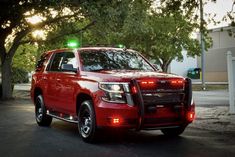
(106, 112)
(129, 116)
(159, 110)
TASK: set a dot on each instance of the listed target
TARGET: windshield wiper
(97, 70)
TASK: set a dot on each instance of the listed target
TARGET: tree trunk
(165, 65)
(7, 78)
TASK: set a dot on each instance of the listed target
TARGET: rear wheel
(173, 131)
(40, 112)
(87, 121)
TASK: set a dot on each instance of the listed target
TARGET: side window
(69, 58)
(41, 62)
(55, 64)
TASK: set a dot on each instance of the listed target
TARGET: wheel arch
(37, 91)
(80, 98)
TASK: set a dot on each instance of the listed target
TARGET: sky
(221, 7)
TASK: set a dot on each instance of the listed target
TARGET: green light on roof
(73, 44)
(120, 46)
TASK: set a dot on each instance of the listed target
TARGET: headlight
(114, 92)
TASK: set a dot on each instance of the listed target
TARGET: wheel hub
(39, 110)
(86, 125)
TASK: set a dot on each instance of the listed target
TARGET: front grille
(159, 104)
(162, 98)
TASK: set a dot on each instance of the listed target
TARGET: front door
(66, 85)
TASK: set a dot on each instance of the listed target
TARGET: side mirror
(68, 67)
(156, 67)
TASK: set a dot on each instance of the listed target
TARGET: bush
(19, 75)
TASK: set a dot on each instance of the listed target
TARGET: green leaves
(160, 33)
(25, 58)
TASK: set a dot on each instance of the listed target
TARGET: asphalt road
(20, 136)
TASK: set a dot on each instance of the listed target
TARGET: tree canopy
(16, 27)
(158, 29)
(159, 33)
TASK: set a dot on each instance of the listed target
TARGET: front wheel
(87, 121)
(40, 112)
(173, 131)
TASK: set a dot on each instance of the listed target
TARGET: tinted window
(69, 58)
(55, 65)
(95, 60)
(41, 61)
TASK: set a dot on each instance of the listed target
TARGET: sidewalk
(23, 86)
(216, 118)
(211, 98)
(212, 109)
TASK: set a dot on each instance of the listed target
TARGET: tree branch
(20, 35)
(47, 22)
(16, 41)
(61, 35)
(73, 31)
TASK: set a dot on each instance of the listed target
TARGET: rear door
(53, 69)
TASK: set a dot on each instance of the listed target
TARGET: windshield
(97, 60)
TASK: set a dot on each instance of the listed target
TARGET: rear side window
(55, 64)
(41, 62)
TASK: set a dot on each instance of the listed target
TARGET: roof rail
(105, 45)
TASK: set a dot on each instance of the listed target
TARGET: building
(215, 58)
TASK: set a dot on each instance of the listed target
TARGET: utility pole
(202, 46)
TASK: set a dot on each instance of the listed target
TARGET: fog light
(116, 121)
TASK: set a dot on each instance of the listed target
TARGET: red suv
(104, 87)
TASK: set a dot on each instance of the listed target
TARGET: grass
(211, 87)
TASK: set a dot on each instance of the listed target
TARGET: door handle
(58, 79)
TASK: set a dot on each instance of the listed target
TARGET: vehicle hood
(125, 76)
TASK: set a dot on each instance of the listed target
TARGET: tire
(173, 132)
(40, 112)
(87, 122)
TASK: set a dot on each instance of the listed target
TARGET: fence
(231, 81)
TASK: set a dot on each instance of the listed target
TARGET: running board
(63, 117)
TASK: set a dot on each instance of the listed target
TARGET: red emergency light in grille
(148, 84)
(177, 84)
